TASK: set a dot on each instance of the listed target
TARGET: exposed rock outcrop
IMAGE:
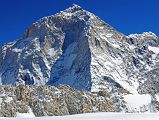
(51, 101)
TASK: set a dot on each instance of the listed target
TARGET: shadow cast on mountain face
(73, 66)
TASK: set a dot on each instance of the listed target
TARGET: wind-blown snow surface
(97, 116)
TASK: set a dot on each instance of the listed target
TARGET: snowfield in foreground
(97, 116)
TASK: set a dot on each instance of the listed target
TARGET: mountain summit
(77, 48)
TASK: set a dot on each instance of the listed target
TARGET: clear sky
(127, 16)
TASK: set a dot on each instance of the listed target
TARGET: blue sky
(127, 16)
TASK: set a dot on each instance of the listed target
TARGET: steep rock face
(146, 49)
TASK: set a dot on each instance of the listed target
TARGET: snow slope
(138, 103)
(98, 116)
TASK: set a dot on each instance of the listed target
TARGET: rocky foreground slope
(77, 48)
(52, 101)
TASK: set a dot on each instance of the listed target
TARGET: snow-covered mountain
(72, 47)
(77, 48)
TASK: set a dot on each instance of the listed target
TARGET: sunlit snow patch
(154, 49)
(138, 103)
(26, 115)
